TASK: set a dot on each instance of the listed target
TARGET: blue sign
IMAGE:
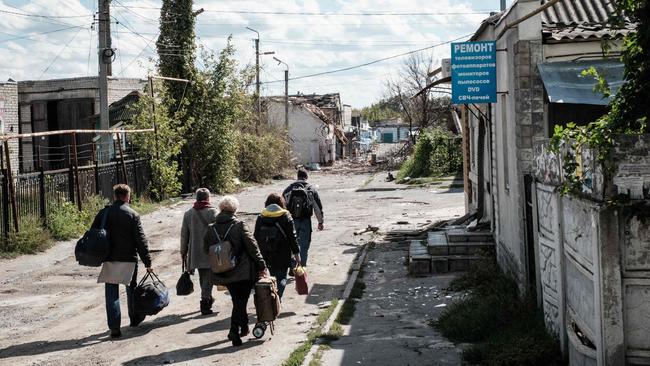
(474, 72)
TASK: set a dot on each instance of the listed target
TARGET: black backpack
(300, 204)
(271, 235)
(149, 298)
(94, 247)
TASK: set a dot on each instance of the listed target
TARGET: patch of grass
(507, 329)
(31, 239)
(318, 356)
(297, 357)
(350, 305)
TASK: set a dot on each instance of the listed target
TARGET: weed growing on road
(509, 330)
(318, 356)
(65, 221)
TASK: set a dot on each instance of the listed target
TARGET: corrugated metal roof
(578, 12)
(584, 32)
(581, 20)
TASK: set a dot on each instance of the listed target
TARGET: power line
(59, 54)
(329, 13)
(24, 14)
(374, 61)
(41, 33)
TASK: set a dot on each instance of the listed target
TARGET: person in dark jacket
(249, 266)
(127, 240)
(276, 237)
(302, 219)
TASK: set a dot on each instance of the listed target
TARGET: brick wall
(9, 116)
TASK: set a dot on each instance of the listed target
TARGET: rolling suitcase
(267, 305)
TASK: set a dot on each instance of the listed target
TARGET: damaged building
(314, 125)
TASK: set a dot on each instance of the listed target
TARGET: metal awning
(564, 82)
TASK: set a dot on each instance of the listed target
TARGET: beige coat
(192, 234)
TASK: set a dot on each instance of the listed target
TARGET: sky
(46, 39)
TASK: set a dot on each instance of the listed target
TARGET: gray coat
(192, 234)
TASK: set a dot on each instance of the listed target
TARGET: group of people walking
(278, 243)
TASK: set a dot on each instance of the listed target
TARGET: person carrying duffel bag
(127, 242)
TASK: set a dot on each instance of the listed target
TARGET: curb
(352, 279)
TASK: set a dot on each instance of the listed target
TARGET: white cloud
(309, 44)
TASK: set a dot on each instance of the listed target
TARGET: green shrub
(437, 152)
(31, 239)
(260, 157)
(65, 221)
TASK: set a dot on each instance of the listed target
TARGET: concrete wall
(9, 118)
(311, 139)
(594, 262)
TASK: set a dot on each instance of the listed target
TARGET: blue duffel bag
(150, 297)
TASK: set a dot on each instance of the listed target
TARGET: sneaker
(116, 333)
(135, 322)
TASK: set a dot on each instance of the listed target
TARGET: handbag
(184, 286)
(301, 281)
(149, 298)
(94, 247)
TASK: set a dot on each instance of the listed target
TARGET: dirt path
(53, 310)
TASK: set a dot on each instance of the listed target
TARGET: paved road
(53, 310)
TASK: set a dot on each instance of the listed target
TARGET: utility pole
(258, 104)
(286, 92)
(106, 54)
(286, 98)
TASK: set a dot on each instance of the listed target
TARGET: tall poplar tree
(176, 48)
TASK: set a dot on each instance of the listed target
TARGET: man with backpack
(127, 242)
(195, 225)
(276, 238)
(303, 202)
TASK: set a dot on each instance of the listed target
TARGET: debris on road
(370, 228)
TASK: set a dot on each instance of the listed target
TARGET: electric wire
(60, 53)
(374, 61)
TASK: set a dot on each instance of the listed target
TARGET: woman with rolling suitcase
(276, 237)
(235, 261)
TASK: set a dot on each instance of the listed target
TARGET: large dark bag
(94, 247)
(184, 286)
(149, 298)
(271, 235)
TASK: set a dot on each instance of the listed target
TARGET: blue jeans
(113, 312)
(205, 280)
(303, 232)
(281, 277)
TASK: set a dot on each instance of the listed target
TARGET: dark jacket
(249, 258)
(279, 258)
(317, 206)
(125, 234)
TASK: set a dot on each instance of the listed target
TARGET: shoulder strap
(277, 224)
(104, 217)
(214, 227)
(203, 220)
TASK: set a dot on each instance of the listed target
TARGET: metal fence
(37, 193)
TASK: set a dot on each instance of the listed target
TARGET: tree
(423, 110)
(221, 103)
(176, 47)
(385, 108)
(163, 148)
